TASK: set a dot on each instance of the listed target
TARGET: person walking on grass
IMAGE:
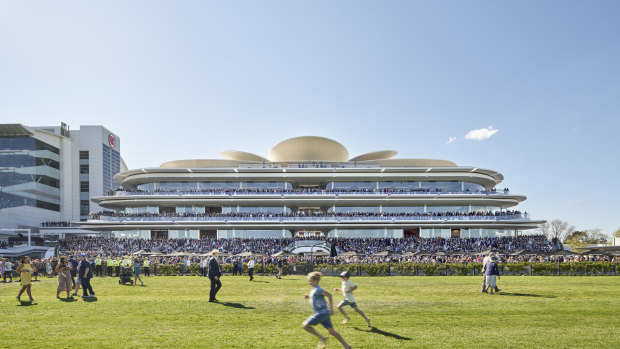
(491, 273)
(63, 269)
(251, 268)
(136, 272)
(8, 270)
(26, 271)
(85, 273)
(215, 272)
(347, 290)
(321, 312)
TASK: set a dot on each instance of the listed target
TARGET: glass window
(84, 169)
(83, 154)
(84, 186)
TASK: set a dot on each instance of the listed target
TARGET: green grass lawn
(406, 312)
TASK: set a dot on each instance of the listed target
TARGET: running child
(347, 290)
(321, 313)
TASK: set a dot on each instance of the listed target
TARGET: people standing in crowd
(147, 267)
(251, 268)
(235, 266)
(63, 269)
(2, 268)
(347, 289)
(491, 273)
(8, 270)
(215, 273)
(117, 267)
(25, 270)
(321, 312)
(204, 266)
(279, 276)
(109, 266)
(98, 268)
(48, 268)
(136, 272)
(85, 273)
(74, 264)
(188, 264)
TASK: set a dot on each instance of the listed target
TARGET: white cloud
(481, 134)
(451, 139)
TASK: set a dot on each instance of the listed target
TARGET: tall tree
(556, 229)
(617, 233)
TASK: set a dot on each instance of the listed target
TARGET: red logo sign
(111, 140)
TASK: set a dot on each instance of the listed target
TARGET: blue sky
(188, 79)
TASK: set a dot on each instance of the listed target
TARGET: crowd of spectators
(363, 246)
(9, 244)
(501, 214)
(302, 191)
(58, 224)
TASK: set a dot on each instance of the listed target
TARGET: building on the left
(49, 174)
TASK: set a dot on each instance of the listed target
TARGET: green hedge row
(429, 269)
(518, 268)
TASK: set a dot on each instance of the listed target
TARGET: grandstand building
(49, 173)
(309, 187)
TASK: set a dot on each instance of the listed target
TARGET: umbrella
(350, 253)
(383, 253)
(316, 253)
(562, 253)
(284, 253)
(422, 253)
(595, 252)
(249, 254)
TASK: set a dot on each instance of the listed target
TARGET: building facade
(50, 173)
(309, 187)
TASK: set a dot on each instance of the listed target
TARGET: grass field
(406, 312)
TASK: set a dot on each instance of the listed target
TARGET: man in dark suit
(215, 272)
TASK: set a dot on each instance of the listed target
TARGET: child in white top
(347, 290)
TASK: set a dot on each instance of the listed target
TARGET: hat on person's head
(215, 250)
(345, 274)
(493, 258)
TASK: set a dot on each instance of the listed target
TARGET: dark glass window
(83, 154)
(84, 187)
(83, 169)
(84, 208)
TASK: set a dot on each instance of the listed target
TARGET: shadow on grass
(235, 305)
(525, 295)
(26, 303)
(90, 299)
(265, 282)
(68, 300)
(383, 333)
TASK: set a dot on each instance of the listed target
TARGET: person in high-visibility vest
(117, 267)
(109, 266)
(98, 270)
(146, 265)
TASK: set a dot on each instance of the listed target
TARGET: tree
(617, 233)
(585, 238)
(556, 229)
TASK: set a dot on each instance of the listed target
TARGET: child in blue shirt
(321, 313)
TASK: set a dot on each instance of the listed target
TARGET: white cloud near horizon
(451, 139)
(481, 134)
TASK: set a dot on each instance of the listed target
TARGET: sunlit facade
(309, 187)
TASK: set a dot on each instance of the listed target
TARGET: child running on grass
(321, 313)
(347, 290)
